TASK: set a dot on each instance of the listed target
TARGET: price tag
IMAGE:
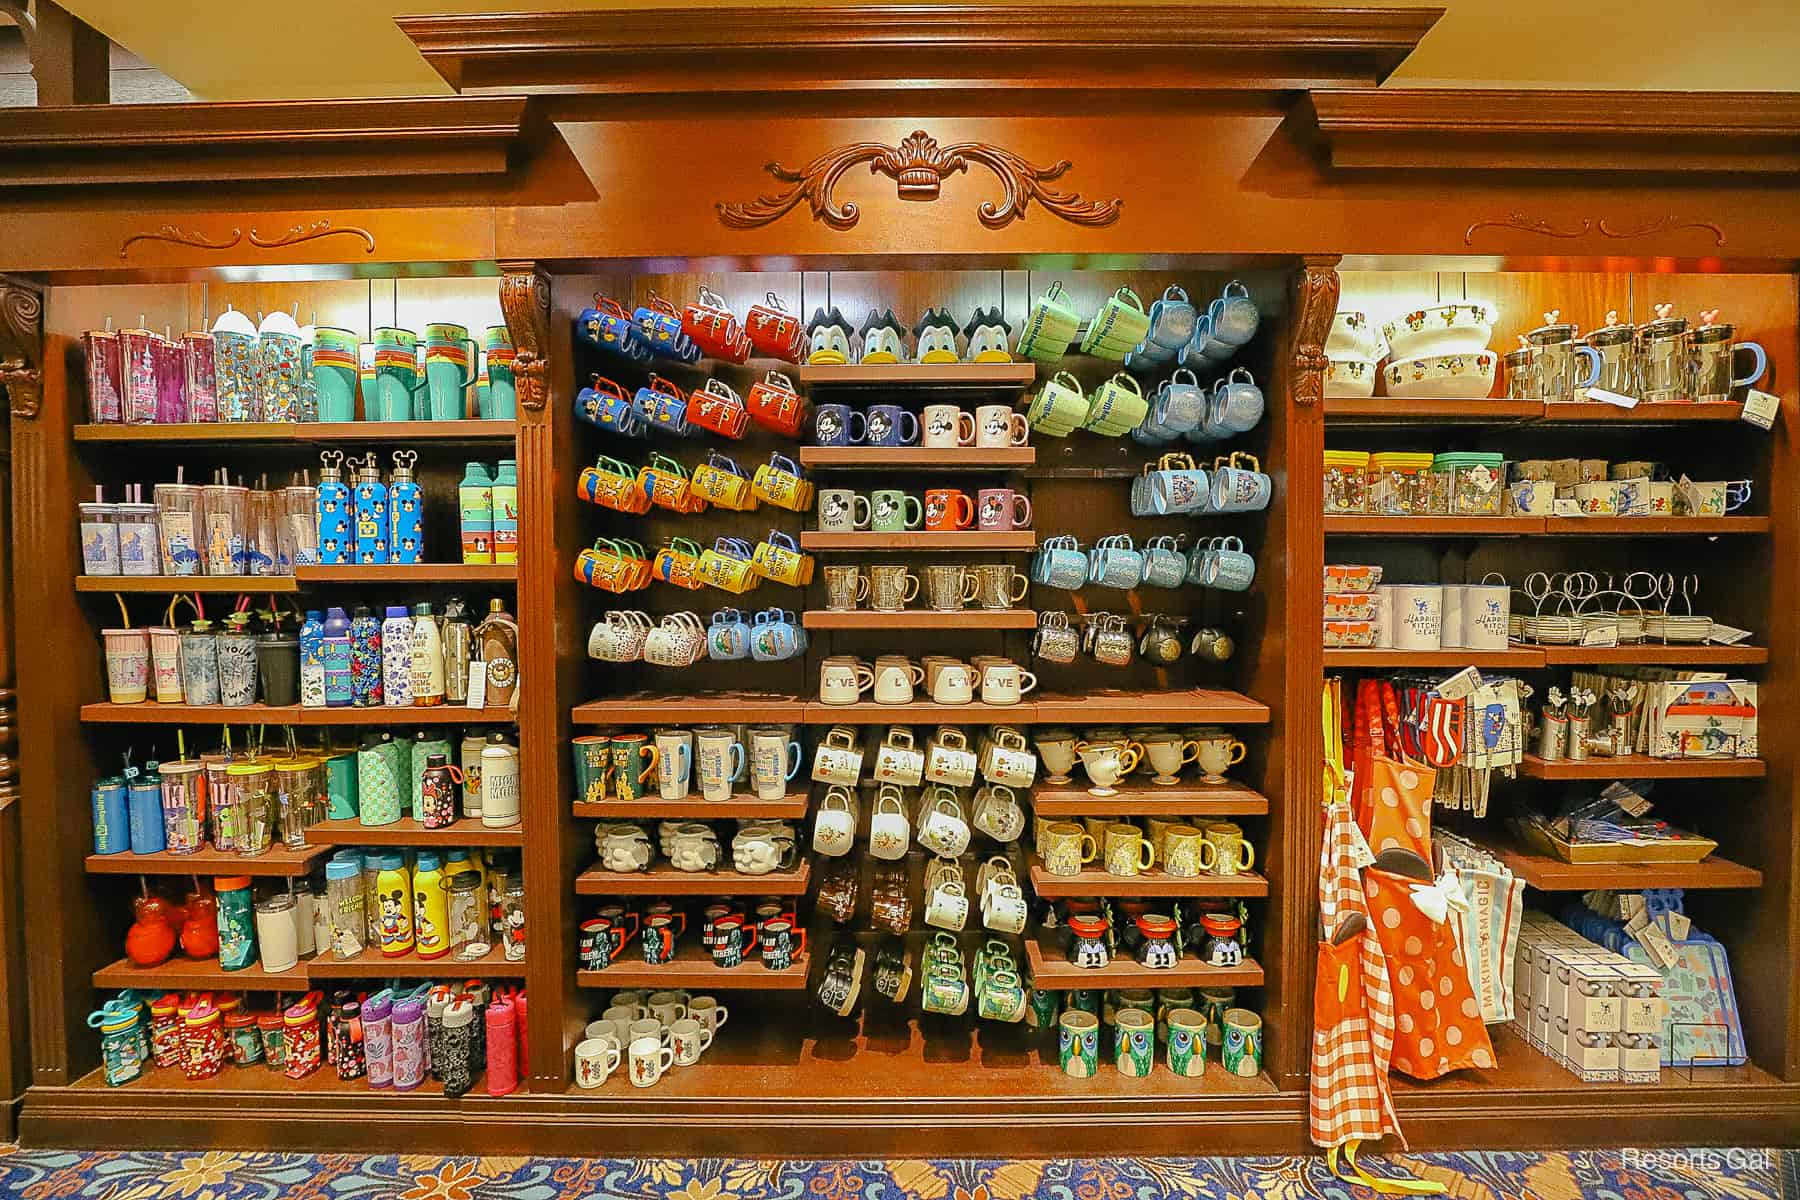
(1460, 685)
(1631, 905)
(1612, 398)
(477, 685)
(1678, 925)
(1761, 409)
(1564, 507)
(130, 773)
(1632, 803)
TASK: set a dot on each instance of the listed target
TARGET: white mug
(1000, 425)
(890, 833)
(668, 1007)
(709, 1012)
(677, 642)
(1004, 682)
(1005, 911)
(949, 760)
(843, 681)
(620, 637)
(690, 1041)
(838, 759)
(942, 829)
(949, 907)
(896, 761)
(649, 1059)
(997, 814)
(895, 679)
(944, 425)
(1012, 766)
(834, 828)
(774, 760)
(718, 759)
(595, 1061)
(674, 763)
(953, 685)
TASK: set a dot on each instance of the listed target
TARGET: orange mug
(948, 509)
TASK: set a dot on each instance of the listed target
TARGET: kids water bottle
(406, 511)
(335, 506)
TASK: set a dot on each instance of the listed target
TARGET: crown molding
(1527, 130)
(903, 46)
(135, 144)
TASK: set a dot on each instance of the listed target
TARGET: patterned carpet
(216, 1175)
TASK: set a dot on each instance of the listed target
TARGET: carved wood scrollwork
(918, 166)
(525, 301)
(21, 348)
(1543, 227)
(307, 233)
(292, 235)
(1316, 303)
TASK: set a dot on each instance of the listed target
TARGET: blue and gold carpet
(221, 1175)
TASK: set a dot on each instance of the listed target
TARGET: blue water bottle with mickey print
(371, 514)
(406, 511)
(335, 508)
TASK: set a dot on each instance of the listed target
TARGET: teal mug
(449, 370)
(397, 379)
(500, 402)
(334, 372)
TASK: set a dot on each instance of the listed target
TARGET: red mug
(948, 509)
(774, 404)
(713, 328)
(717, 408)
(773, 331)
(1002, 508)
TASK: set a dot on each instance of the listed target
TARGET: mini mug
(1002, 509)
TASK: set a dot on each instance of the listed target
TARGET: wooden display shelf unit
(1362, 525)
(697, 972)
(1640, 766)
(1551, 874)
(868, 712)
(693, 808)
(1698, 654)
(150, 713)
(1519, 658)
(1092, 881)
(250, 585)
(277, 863)
(663, 880)
(1053, 972)
(1653, 526)
(372, 964)
(414, 573)
(195, 974)
(1140, 797)
(1216, 706)
(228, 432)
(920, 618)
(467, 831)
(1352, 410)
(928, 539)
(652, 708)
(1009, 376)
(1599, 412)
(892, 458)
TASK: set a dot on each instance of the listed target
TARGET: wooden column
(70, 59)
(16, 303)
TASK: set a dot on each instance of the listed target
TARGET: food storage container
(1468, 484)
(1342, 634)
(1346, 481)
(1400, 484)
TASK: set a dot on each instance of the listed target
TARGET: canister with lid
(1472, 483)
(99, 538)
(1400, 484)
(1346, 481)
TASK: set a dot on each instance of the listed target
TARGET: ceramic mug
(890, 425)
(1001, 509)
(834, 826)
(945, 426)
(838, 425)
(841, 510)
(942, 829)
(1079, 1043)
(1056, 747)
(774, 760)
(948, 759)
(1000, 425)
(837, 758)
(1234, 855)
(892, 511)
(997, 814)
(947, 510)
(890, 833)
(649, 1058)
(1005, 683)
(895, 679)
(1060, 563)
(844, 681)
(1217, 753)
(1066, 847)
(1126, 850)
(1187, 853)
(1239, 485)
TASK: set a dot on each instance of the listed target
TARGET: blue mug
(1116, 563)
(1165, 566)
(836, 425)
(1147, 358)
(1140, 495)
(605, 404)
(1179, 485)
(888, 425)
(1204, 351)
(773, 639)
(1060, 564)
(1237, 403)
(1200, 560)
(1229, 568)
(1240, 488)
(1171, 321)
(1180, 403)
(728, 637)
(1151, 435)
(1234, 315)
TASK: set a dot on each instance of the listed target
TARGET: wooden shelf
(1595, 411)
(1653, 526)
(469, 831)
(226, 432)
(1340, 410)
(1092, 881)
(889, 458)
(647, 708)
(1140, 798)
(171, 584)
(1550, 874)
(418, 573)
(963, 539)
(867, 712)
(1055, 973)
(693, 808)
(1655, 653)
(1517, 657)
(150, 713)
(1356, 525)
(279, 862)
(920, 618)
(1189, 705)
(191, 974)
(697, 972)
(1638, 766)
(1012, 375)
(664, 880)
(370, 964)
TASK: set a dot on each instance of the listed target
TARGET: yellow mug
(1127, 852)
(1235, 855)
(726, 572)
(782, 563)
(1066, 847)
(725, 488)
(1187, 853)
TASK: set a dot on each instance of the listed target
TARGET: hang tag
(1657, 945)
(1461, 685)
(1638, 922)
(1632, 803)
(1612, 398)
(1566, 508)
(1631, 905)
(1678, 925)
(1727, 635)
(477, 697)
(1600, 635)
(130, 773)
(1761, 409)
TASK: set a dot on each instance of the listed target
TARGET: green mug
(892, 511)
(593, 762)
(633, 761)
(1050, 326)
(449, 370)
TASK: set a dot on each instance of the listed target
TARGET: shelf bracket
(525, 300)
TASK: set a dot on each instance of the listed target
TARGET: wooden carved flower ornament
(936, 336)
(988, 337)
(883, 338)
(828, 337)
(918, 166)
